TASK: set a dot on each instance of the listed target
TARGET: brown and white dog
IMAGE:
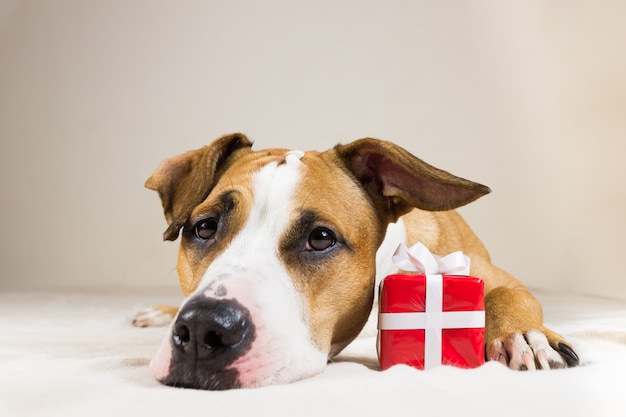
(278, 259)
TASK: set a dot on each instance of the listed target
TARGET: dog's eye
(205, 229)
(321, 239)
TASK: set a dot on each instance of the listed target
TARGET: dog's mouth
(198, 378)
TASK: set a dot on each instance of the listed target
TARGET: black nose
(207, 336)
(208, 328)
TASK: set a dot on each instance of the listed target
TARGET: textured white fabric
(78, 355)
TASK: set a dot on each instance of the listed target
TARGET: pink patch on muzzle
(160, 364)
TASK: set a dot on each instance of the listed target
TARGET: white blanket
(68, 354)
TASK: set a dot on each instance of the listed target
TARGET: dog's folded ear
(397, 181)
(184, 181)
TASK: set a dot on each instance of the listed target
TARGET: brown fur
(509, 307)
(378, 182)
(333, 325)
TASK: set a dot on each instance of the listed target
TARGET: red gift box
(428, 320)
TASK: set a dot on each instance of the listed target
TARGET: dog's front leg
(160, 315)
(515, 335)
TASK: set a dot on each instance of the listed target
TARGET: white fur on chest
(396, 234)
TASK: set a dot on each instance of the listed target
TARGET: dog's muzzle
(207, 337)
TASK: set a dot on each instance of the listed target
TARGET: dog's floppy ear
(184, 181)
(397, 181)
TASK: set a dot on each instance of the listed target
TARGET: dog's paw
(161, 315)
(530, 351)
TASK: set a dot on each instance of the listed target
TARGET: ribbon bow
(419, 259)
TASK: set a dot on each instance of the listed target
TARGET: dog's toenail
(568, 354)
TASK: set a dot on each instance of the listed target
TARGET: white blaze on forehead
(251, 271)
(294, 157)
(273, 187)
(256, 245)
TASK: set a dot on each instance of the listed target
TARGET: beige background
(528, 97)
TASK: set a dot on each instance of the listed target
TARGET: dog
(281, 252)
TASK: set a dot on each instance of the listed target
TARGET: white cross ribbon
(433, 320)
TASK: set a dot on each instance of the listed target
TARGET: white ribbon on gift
(433, 320)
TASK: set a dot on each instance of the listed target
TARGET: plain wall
(528, 97)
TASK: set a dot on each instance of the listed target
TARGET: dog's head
(277, 253)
